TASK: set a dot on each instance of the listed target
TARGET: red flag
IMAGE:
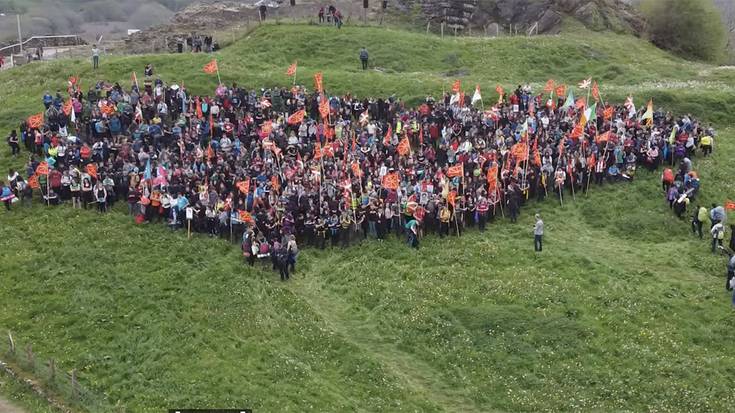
(456, 86)
(500, 90)
(42, 168)
(596, 91)
(577, 132)
(275, 184)
(200, 114)
(602, 138)
(318, 82)
(92, 170)
(421, 135)
(297, 117)
(549, 86)
(388, 135)
(35, 121)
(456, 170)
(67, 108)
(318, 151)
(404, 147)
(210, 152)
(730, 205)
(291, 71)
(211, 67)
(244, 186)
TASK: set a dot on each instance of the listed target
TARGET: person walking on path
(364, 58)
(718, 234)
(538, 234)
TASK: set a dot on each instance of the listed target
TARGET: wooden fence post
(74, 384)
(29, 354)
(52, 369)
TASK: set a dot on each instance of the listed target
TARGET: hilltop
(624, 311)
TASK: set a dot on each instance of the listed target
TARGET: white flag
(476, 96)
(585, 84)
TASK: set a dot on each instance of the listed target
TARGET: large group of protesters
(273, 168)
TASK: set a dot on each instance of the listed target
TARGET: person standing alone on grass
(538, 234)
(364, 58)
(95, 57)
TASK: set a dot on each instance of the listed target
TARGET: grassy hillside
(624, 310)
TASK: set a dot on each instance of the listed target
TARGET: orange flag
(602, 138)
(456, 170)
(67, 107)
(318, 151)
(356, 169)
(492, 177)
(297, 117)
(549, 86)
(608, 113)
(581, 103)
(210, 152)
(324, 107)
(404, 147)
(520, 151)
(244, 186)
(318, 82)
(33, 182)
(561, 90)
(42, 168)
(245, 216)
(452, 198)
(35, 121)
(456, 86)
(596, 91)
(291, 69)
(577, 132)
(388, 135)
(500, 90)
(729, 205)
(275, 184)
(211, 67)
(92, 170)
(391, 181)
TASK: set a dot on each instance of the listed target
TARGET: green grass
(624, 310)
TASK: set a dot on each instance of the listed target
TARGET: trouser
(730, 276)
(538, 242)
(15, 149)
(95, 62)
(443, 229)
(598, 178)
(697, 228)
(706, 149)
(715, 243)
(364, 63)
(283, 268)
(101, 206)
(482, 220)
(513, 213)
(7, 204)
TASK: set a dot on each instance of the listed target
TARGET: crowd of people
(331, 16)
(274, 169)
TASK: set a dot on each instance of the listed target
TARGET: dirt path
(6, 407)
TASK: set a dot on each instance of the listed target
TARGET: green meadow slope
(624, 310)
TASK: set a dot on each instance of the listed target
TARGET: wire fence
(57, 385)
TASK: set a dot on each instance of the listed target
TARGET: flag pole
(216, 64)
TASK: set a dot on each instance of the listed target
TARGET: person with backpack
(718, 234)
(364, 58)
(698, 218)
(6, 195)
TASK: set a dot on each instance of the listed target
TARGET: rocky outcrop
(615, 15)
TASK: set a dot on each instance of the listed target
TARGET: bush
(691, 28)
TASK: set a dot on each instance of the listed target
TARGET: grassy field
(624, 310)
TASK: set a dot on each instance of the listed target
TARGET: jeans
(364, 63)
(697, 228)
(538, 242)
(716, 242)
(95, 62)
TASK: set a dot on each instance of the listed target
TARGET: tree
(691, 28)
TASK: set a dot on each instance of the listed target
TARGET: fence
(61, 389)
